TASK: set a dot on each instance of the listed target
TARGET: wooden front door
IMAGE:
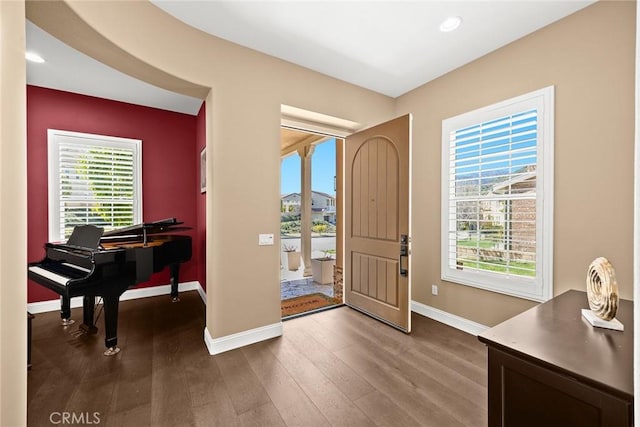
(376, 275)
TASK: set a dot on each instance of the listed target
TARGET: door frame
(321, 124)
(318, 123)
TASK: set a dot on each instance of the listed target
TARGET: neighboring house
(290, 203)
(323, 205)
(519, 213)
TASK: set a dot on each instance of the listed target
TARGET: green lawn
(474, 243)
(520, 268)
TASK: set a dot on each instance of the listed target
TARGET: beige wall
(13, 214)
(590, 58)
(243, 134)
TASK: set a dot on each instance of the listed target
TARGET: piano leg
(111, 324)
(174, 269)
(65, 311)
(88, 304)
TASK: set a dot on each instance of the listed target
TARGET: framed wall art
(203, 170)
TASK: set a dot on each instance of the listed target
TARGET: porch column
(305, 206)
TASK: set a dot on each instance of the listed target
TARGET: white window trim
(54, 138)
(540, 288)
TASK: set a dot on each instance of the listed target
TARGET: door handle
(404, 253)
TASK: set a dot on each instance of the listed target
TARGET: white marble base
(600, 323)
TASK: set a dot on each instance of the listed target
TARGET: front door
(376, 259)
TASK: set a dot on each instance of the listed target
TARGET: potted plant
(322, 268)
(293, 257)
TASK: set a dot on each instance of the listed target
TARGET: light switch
(265, 239)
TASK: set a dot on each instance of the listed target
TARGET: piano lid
(161, 226)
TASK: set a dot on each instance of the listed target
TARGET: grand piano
(95, 264)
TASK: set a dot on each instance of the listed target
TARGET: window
(93, 179)
(497, 197)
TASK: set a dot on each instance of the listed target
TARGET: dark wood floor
(336, 368)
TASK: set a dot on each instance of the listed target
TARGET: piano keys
(69, 272)
(96, 264)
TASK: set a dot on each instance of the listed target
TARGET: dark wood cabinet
(549, 367)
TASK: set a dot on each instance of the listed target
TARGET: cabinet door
(524, 394)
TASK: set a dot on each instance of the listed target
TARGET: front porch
(294, 283)
(304, 286)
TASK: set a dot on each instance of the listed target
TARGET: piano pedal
(89, 330)
(111, 351)
(67, 322)
(77, 333)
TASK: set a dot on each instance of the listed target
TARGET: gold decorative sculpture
(602, 293)
(602, 289)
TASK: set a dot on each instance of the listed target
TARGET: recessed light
(33, 57)
(450, 24)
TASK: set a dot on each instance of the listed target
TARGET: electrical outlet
(434, 289)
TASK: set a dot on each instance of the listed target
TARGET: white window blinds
(93, 180)
(497, 196)
(492, 187)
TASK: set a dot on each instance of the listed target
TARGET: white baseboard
(241, 339)
(449, 319)
(152, 291)
(202, 293)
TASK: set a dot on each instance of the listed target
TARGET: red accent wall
(201, 142)
(169, 165)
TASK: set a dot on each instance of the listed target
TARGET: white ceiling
(390, 47)
(72, 71)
